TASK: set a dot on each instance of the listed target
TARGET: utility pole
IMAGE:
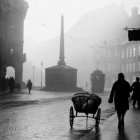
(33, 74)
(41, 73)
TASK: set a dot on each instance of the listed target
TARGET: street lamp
(41, 73)
(33, 74)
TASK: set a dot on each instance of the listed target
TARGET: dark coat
(29, 85)
(136, 91)
(120, 93)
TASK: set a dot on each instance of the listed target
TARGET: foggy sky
(42, 23)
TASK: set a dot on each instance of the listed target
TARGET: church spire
(61, 56)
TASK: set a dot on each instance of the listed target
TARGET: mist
(83, 42)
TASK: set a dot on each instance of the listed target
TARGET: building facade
(123, 56)
(130, 60)
(12, 15)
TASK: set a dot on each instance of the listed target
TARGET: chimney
(134, 12)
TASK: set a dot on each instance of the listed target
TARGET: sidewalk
(110, 131)
(24, 98)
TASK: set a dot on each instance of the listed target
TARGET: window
(131, 52)
(139, 50)
(123, 55)
(123, 68)
(127, 53)
(130, 67)
(134, 52)
(126, 67)
(138, 66)
(133, 67)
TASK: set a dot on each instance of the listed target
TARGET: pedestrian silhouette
(3, 83)
(136, 95)
(17, 86)
(29, 85)
(11, 84)
(120, 93)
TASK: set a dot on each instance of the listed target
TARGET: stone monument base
(62, 88)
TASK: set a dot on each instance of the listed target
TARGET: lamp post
(41, 73)
(33, 74)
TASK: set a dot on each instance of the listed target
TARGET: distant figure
(120, 92)
(29, 85)
(11, 84)
(3, 83)
(17, 86)
(136, 92)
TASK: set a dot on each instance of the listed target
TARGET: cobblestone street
(45, 119)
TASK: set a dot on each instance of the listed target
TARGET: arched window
(10, 72)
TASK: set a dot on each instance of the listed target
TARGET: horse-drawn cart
(85, 103)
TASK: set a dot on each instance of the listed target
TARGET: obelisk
(61, 55)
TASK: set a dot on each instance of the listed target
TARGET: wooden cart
(85, 103)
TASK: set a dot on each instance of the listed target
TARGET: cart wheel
(98, 117)
(71, 117)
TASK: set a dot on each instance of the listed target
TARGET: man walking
(29, 85)
(136, 92)
(120, 93)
